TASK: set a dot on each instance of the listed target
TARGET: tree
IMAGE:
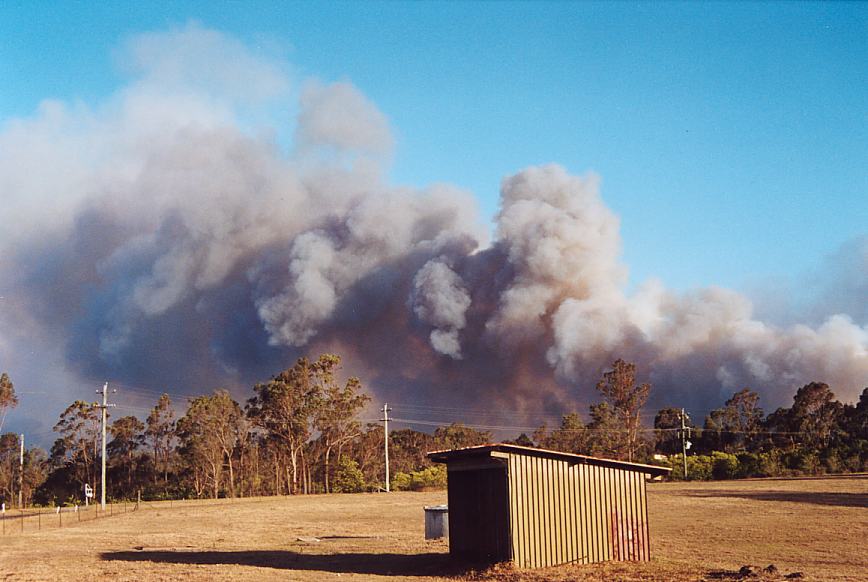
(625, 400)
(161, 433)
(209, 432)
(285, 407)
(367, 450)
(79, 443)
(127, 437)
(408, 449)
(348, 478)
(523, 440)
(570, 437)
(667, 424)
(815, 414)
(8, 399)
(35, 472)
(457, 436)
(8, 466)
(336, 414)
(733, 428)
(858, 422)
(605, 433)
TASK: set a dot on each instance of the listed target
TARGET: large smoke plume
(164, 239)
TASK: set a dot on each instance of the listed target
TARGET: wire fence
(19, 521)
(35, 519)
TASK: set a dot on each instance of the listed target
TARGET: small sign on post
(88, 493)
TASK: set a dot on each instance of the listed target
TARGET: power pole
(104, 408)
(684, 441)
(386, 411)
(21, 475)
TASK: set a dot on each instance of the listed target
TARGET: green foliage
(622, 417)
(667, 423)
(433, 477)
(570, 437)
(348, 477)
(401, 481)
(807, 463)
(703, 467)
(300, 433)
(724, 465)
(457, 436)
(8, 399)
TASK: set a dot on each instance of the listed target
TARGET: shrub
(771, 464)
(348, 478)
(807, 462)
(401, 482)
(429, 478)
(724, 465)
(433, 477)
(748, 465)
(699, 468)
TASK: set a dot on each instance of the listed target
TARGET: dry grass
(699, 531)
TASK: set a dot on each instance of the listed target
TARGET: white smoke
(164, 238)
(441, 300)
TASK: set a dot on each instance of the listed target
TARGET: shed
(542, 508)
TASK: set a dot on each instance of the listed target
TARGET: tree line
(300, 433)
(817, 434)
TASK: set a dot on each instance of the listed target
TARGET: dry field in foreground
(700, 531)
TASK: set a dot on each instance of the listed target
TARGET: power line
(435, 423)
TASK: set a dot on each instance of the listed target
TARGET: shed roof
(486, 450)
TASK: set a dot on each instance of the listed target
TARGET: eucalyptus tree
(209, 433)
(8, 399)
(78, 447)
(624, 400)
(286, 406)
(160, 432)
(337, 414)
(127, 436)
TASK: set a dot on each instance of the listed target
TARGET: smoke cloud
(163, 239)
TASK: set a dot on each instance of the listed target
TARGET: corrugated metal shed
(543, 508)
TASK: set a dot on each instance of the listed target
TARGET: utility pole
(104, 408)
(21, 475)
(386, 411)
(684, 443)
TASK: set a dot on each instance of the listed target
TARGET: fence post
(22, 521)
(60, 515)
(39, 519)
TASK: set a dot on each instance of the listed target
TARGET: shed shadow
(832, 499)
(428, 564)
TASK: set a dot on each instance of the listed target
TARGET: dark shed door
(479, 515)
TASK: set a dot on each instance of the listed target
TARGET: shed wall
(562, 512)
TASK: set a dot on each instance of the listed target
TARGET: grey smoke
(164, 239)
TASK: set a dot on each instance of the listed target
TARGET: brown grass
(699, 531)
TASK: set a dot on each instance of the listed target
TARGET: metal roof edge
(446, 455)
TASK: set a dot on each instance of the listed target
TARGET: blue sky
(732, 139)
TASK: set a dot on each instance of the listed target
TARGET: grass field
(700, 531)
